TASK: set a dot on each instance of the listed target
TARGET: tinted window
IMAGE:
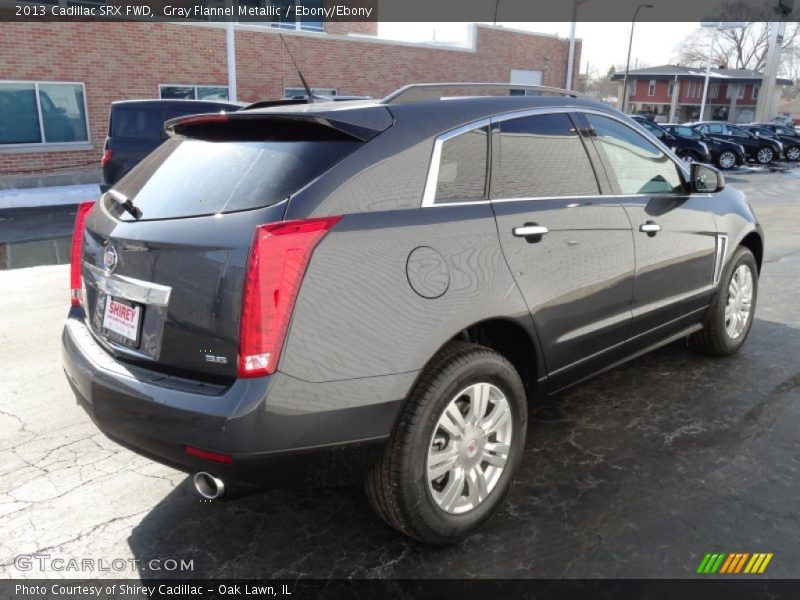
(652, 128)
(186, 177)
(686, 132)
(541, 156)
(462, 167)
(638, 166)
(784, 130)
(137, 123)
(735, 131)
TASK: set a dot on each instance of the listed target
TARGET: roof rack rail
(421, 92)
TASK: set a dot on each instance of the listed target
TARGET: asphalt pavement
(637, 473)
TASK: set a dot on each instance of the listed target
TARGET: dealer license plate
(121, 320)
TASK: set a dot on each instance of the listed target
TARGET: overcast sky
(604, 44)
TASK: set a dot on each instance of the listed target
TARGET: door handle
(529, 230)
(650, 228)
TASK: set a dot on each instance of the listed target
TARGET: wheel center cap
(472, 448)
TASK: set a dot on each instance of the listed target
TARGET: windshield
(186, 177)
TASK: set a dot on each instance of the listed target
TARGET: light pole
(628, 62)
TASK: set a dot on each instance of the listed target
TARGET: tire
(398, 485)
(716, 339)
(726, 160)
(792, 153)
(764, 155)
(687, 156)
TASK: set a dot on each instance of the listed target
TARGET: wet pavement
(637, 473)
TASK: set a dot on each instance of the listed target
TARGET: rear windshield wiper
(125, 203)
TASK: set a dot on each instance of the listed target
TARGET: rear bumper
(279, 430)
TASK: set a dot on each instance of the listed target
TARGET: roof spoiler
(363, 129)
(423, 92)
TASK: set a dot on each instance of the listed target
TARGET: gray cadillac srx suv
(373, 290)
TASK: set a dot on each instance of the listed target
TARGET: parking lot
(637, 473)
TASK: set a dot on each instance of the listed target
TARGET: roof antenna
(309, 93)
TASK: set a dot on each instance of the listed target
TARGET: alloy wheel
(764, 155)
(727, 160)
(793, 153)
(740, 301)
(469, 448)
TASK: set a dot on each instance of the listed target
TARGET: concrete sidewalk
(49, 196)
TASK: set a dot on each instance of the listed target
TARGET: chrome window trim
(429, 192)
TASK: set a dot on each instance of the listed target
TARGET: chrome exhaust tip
(208, 486)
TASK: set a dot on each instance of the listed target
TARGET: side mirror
(706, 179)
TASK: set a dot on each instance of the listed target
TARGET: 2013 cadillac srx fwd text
(372, 291)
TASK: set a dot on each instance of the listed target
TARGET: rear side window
(541, 156)
(137, 123)
(638, 166)
(462, 167)
(189, 177)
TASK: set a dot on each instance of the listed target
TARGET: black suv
(724, 154)
(136, 128)
(688, 150)
(329, 293)
(757, 148)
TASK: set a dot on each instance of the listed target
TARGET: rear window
(189, 177)
(138, 123)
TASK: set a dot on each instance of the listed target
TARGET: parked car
(787, 130)
(688, 150)
(784, 120)
(372, 290)
(791, 143)
(646, 114)
(724, 154)
(136, 128)
(761, 150)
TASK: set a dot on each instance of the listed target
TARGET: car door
(674, 231)
(569, 247)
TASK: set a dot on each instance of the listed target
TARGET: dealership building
(58, 80)
(675, 93)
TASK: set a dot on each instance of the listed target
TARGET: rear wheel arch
(508, 338)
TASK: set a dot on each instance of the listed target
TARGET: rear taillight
(278, 260)
(106, 157)
(75, 282)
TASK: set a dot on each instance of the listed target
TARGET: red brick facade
(118, 61)
(691, 92)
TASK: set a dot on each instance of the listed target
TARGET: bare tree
(742, 48)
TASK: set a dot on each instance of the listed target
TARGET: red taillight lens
(208, 455)
(106, 157)
(278, 260)
(75, 282)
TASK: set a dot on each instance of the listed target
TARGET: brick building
(74, 71)
(675, 93)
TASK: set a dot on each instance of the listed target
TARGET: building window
(741, 91)
(298, 92)
(288, 8)
(45, 112)
(754, 95)
(170, 91)
(633, 87)
(670, 88)
(713, 90)
(651, 88)
(524, 77)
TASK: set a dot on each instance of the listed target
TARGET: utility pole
(628, 62)
(571, 58)
(231, 44)
(767, 91)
